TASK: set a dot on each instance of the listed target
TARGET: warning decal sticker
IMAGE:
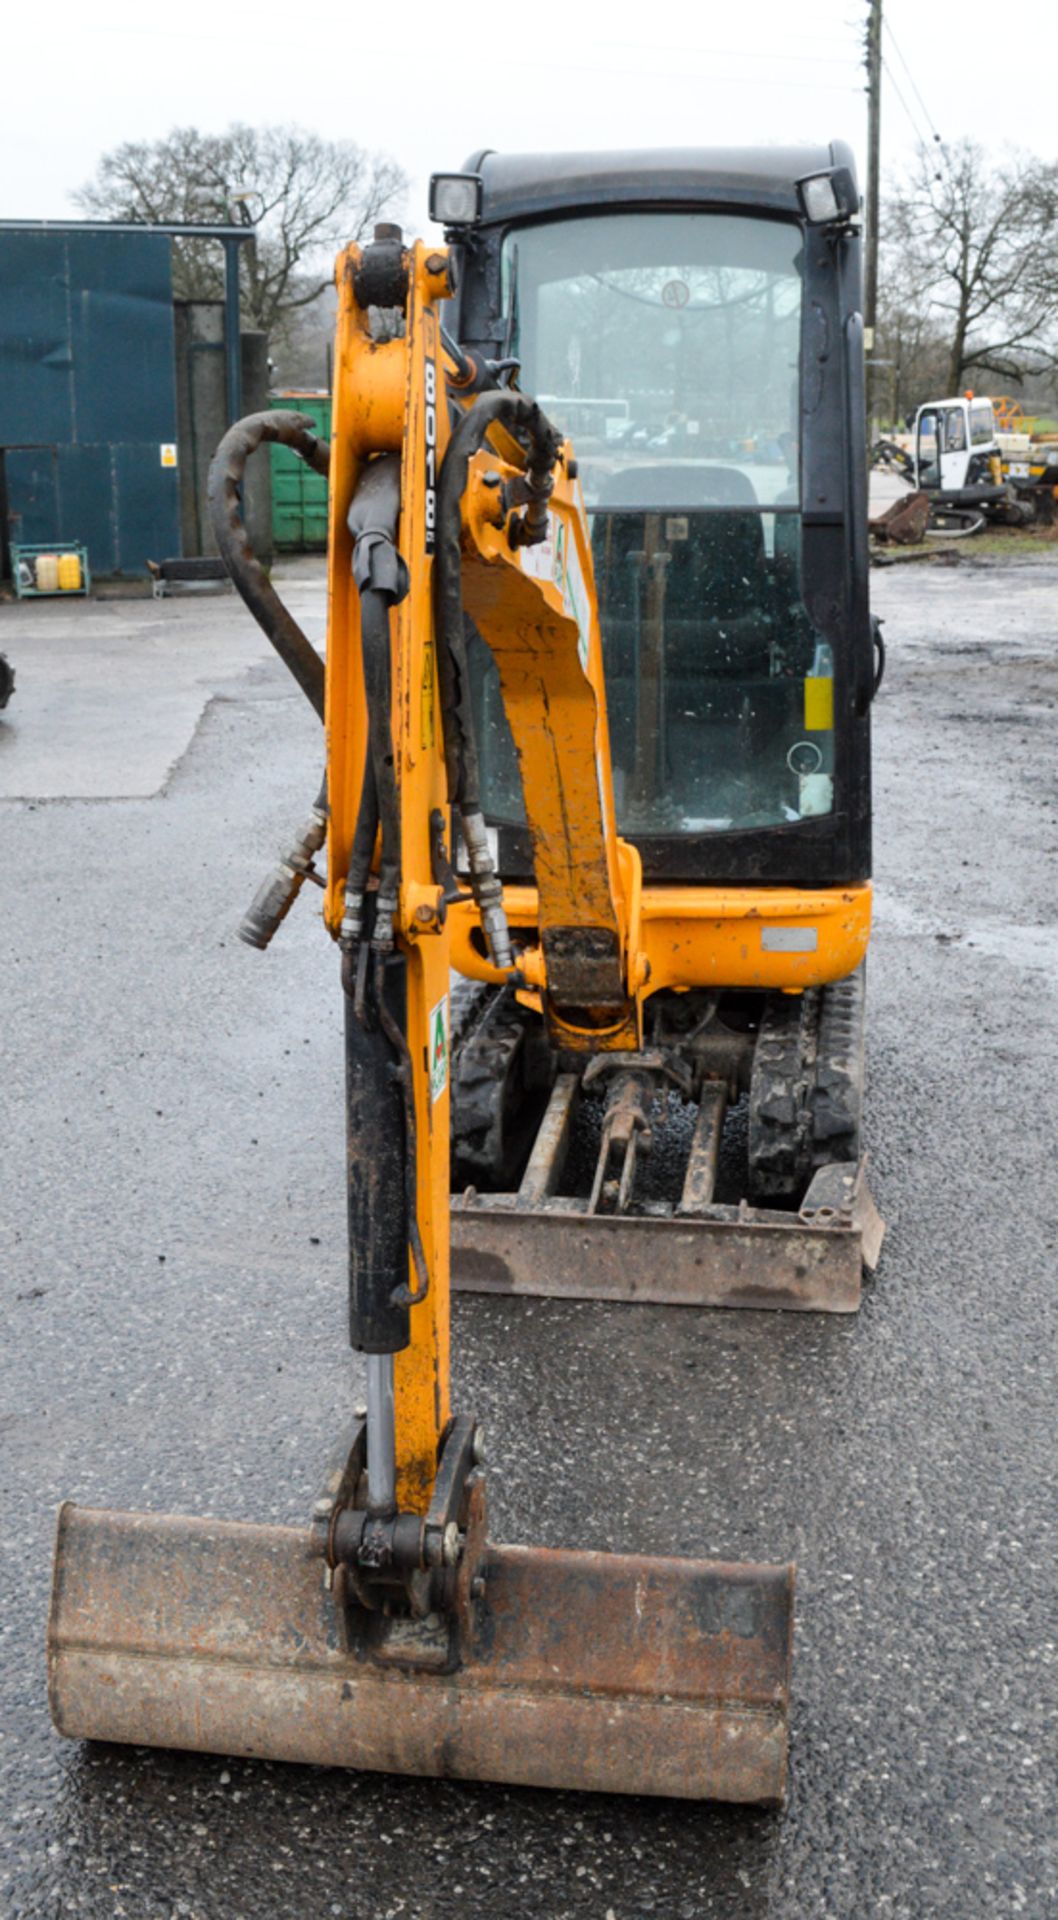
(439, 1049)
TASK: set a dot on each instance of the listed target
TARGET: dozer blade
(604, 1672)
(721, 1256)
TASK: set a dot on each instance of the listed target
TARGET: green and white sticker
(558, 563)
(439, 1049)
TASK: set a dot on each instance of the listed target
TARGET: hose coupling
(386, 905)
(530, 528)
(497, 932)
(276, 895)
(487, 889)
(351, 931)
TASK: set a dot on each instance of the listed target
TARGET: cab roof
(522, 186)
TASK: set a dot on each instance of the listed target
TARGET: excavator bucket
(610, 1673)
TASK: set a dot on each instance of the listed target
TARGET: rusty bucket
(611, 1673)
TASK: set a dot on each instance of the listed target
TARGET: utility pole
(873, 63)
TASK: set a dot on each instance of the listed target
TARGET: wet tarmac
(173, 1291)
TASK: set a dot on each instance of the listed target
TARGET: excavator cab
(700, 342)
(691, 320)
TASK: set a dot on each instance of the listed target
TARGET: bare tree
(302, 357)
(971, 245)
(305, 196)
(911, 352)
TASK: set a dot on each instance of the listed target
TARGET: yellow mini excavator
(597, 743)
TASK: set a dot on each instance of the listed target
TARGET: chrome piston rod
(381, 1434)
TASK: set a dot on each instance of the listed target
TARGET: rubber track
(483, 1058)
(806, 1091)
(780, 1084)
(837, 1092)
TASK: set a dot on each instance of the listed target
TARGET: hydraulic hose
(523, 419)
(226, 471)
(374, 641)
(403, 1296)
(276, 895)
(382, 579)
(365, 833)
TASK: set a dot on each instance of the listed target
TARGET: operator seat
(723, 615)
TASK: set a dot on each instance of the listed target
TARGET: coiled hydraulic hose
(382, 579)
(294, 430)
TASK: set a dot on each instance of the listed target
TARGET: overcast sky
(429, 83)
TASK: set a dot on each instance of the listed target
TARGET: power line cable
(897, 49)
(894, 83)
(711, 52)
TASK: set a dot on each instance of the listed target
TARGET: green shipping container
(299, 496)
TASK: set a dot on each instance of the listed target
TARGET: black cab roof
(521, 186)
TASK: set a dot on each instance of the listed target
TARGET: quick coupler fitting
(351, 931)
(275, 897)
(497, 935)
(487, 889)
(386, 906)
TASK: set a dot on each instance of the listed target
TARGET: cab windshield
(982, 423)
(667, 346)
